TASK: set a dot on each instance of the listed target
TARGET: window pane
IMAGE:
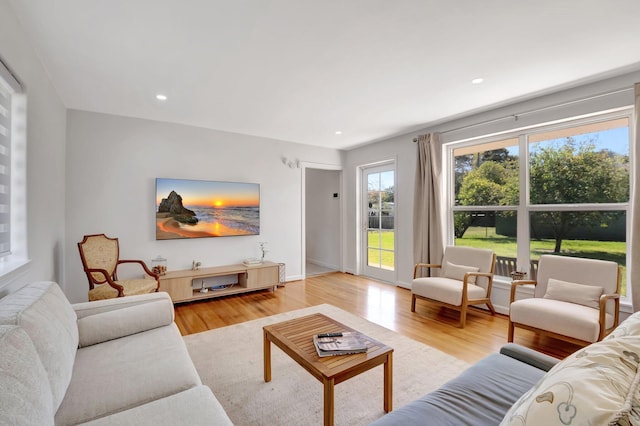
(584, 164)
(589, 234)
(386, 238)
(490, 230)
(387, 260)
(487, 174)
(373, 258)
(374, 239)
(373, 182)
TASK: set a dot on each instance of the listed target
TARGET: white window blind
(8, 87)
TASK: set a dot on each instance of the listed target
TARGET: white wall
(45, 158)
(112, 163)
(322, 211)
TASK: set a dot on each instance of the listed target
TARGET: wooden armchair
(575, 299)
(100, 259)
(466, 279)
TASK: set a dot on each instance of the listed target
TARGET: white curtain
(428, 224)
(634, 283)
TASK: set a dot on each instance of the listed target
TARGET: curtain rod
(533, 111)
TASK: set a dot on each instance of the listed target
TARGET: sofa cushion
(128, 320)
(597, 385)
(46, 315)
(586, 295)
(124, 373)
(480, 396)
(629, 327)
(194, 407)
(25, 395)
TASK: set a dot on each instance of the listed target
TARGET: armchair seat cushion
(445, 290)
(131, 288)
(565, 318)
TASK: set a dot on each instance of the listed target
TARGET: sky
(616, 140)
(209, 193)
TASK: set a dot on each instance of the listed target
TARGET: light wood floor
(378, 302)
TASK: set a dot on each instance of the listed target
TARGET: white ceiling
(300, 70)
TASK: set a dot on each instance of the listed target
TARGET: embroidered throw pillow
(597, 385)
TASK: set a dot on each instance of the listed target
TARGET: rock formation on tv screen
(173, 205)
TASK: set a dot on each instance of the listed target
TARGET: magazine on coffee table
(349, 342)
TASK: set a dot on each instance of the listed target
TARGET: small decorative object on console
(195, 265)
(263, 250)
(252, 261)
(159, 265)
(516, 275)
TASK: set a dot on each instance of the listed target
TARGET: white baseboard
(293, 278)
(323, 264)
(403, 284)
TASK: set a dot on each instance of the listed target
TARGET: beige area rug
(229, 361)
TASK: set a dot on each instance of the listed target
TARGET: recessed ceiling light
(338, 132)
(161, 97)
(477, 80)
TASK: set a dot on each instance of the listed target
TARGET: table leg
(388, 383)
(329, 385)
(267, 358)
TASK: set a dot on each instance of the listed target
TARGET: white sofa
(111, 362)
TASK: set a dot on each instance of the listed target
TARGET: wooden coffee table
(295, 338)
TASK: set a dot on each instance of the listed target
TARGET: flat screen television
(200, 208)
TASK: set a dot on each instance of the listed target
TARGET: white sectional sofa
(111, 362)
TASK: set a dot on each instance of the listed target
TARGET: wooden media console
(179, 284)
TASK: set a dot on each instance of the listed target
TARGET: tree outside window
(577, 194)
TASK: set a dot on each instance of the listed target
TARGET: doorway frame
(304, 165)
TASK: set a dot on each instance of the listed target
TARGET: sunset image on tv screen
(199, 208)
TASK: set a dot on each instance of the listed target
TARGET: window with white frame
(558, 189)
(12, 172)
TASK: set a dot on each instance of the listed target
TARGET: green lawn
(506, 246)
(380, 249)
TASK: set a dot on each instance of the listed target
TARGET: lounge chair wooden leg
(510, 336)
(490, 306)
(413, 303)
(463, 318)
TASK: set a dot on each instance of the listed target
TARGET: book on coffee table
(349, 342)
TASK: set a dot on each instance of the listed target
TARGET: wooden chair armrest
(424, 265)
(144, 266)
(107, 279)
(604, 299)
(488, 275)
(514, 286)
(609, 296)
(480, 274)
